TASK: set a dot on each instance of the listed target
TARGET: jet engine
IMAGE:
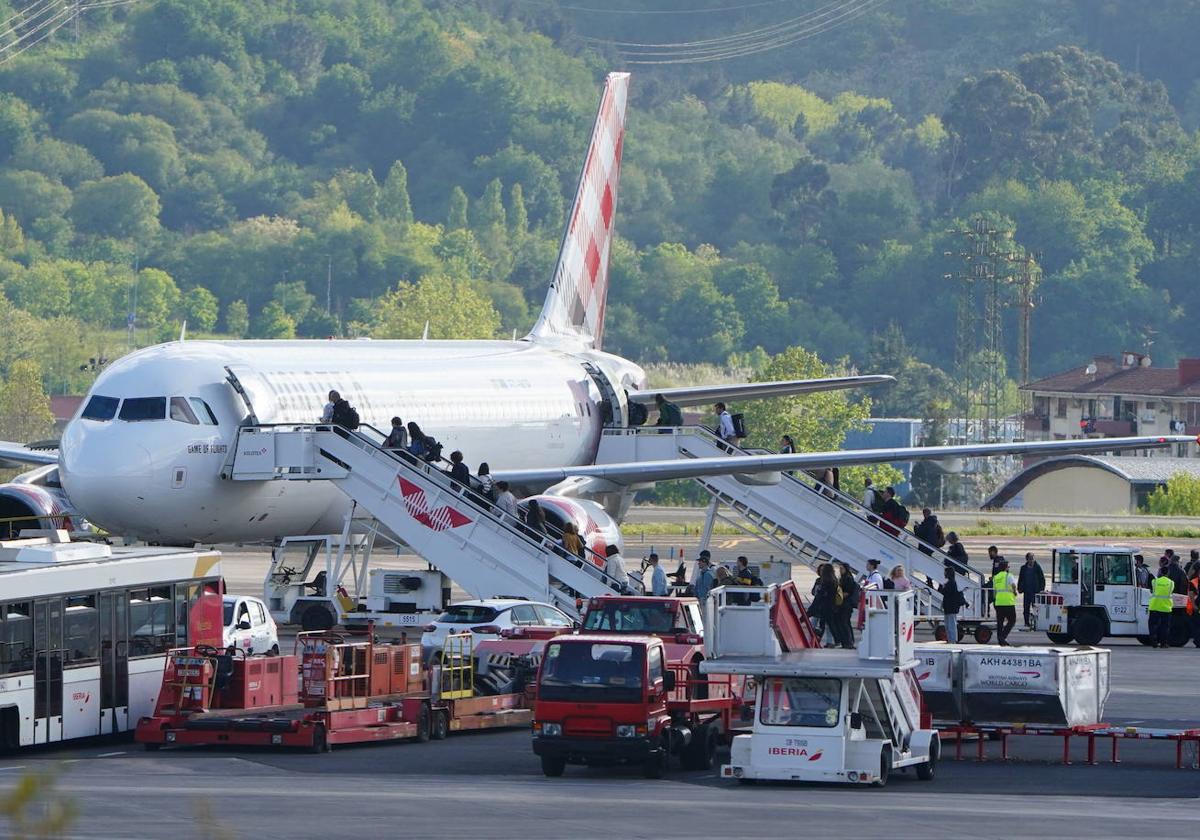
(598, 529)
(34, 500)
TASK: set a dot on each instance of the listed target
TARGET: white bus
(84, 629)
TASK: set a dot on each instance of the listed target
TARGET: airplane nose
(108, 485)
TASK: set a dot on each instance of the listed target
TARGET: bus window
(16, 638)
(1114, 569)
(151, 621)
(82, 629)
(1068, 567)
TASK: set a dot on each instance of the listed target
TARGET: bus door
(48, 670)
(1087, 572)
(114, 662)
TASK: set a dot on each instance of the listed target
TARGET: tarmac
(489, 784)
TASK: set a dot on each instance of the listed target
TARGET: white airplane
(144, 456)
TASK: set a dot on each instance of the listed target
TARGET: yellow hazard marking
(204, 564)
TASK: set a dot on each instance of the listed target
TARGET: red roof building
(1117, 397)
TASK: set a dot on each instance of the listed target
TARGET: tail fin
(575, 303)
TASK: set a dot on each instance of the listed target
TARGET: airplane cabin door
(254, 392)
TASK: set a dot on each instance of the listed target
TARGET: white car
(248, 625)
(488, 618)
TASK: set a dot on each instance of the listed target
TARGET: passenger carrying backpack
(352, 418)
(739, 424)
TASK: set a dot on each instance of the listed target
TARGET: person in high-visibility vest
(1004, 588)
(1160, 609)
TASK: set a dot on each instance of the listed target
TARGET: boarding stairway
(485, 551)
(805, 520)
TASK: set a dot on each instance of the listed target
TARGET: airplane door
(609, 398)
(254, 392)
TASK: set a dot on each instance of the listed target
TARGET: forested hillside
(326, 167)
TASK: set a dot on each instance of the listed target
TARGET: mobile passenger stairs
(806, 520)
(487, 552)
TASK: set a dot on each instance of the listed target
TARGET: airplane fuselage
(152, 470)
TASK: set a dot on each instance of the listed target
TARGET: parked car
(248, 625)
(489, 618)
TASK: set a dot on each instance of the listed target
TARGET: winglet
(574, 305)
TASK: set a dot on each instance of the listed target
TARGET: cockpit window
(100, 408)
(204, 412)
(144, 408)
(182, 412)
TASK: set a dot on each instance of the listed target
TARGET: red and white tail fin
(574, 306)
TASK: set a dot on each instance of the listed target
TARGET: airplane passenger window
(181, 411)
(204, 412)
(100, 408)
(144, 408)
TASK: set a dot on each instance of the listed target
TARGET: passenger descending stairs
(811, 525)
(484, 551)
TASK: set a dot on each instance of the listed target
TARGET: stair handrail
(439, 477)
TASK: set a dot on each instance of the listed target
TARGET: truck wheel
(701, 753)
(1064, 638)
(940, 634)
(983, 634)
(1180, 632)
(441, 725)
(274, 651)
(319, 741)
(656, 765)
(553, 767)
(316, 617)
(926, 771)
(1087, 629)
(423, 723)
(885, 765)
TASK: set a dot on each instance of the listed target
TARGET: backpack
(433, 450)
(939, 537)
(901, 514)
(739, 425)
(352, 418)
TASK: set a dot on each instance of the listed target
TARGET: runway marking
(111, 754)
(13, 767)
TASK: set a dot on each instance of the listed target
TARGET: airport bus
(84, 632)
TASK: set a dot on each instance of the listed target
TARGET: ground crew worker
(1005, 591)
(1160, 609)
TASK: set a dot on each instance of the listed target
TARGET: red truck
(617, 699)
(627, 688)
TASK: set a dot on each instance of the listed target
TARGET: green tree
(200, 307)
(518, 217)
(394, 202)
(295, 299)
(816, 422)
(24, 406)
(274, 322)
(29, 196)
(17, 122)
(123, 206)
(157, 297)
(456, 217)
(237, 319)
(1180, 496)
(452, 307)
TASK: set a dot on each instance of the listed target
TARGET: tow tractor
(1094, 594)
(348, 692)
(322, 581)
(629, 688)
(827, 715)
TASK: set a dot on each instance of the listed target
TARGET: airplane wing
(735, 391)
(16, 454)
(649, 471)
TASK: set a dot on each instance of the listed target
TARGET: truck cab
(1094, 594)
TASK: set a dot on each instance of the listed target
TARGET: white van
(248, 625)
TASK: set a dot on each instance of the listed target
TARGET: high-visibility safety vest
(1005, 597)
(1160, 601)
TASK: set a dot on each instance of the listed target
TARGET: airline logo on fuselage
(417, 505)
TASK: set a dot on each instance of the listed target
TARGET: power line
(752, 48)
(693, 12)
(23, 12)
(27, 36)
(750, 34)
(27, 20)
(70, 15)
(47, 26)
